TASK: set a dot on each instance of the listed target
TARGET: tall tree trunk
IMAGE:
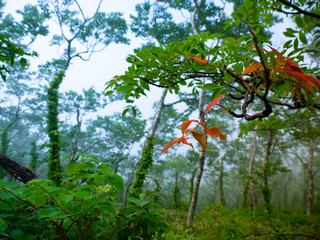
(222, 199)
(147, 151)
(202, 155)
(265, 188)
(311, 148)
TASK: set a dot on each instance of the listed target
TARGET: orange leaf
(198, 59)
(186, 124)
(305, 77)
(201, 139)
(213, 131)
(223, 136)
(251, 68)
(170, 144)
(213, 102)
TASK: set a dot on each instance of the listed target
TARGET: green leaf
(303, 38)
(98, 179)
(48, 212)
(125, 112)
(2, 222)
(108, 93)
(296, 43)
(17, 234)
(107, 207)
(143, 203)
(210, 86)
(134, 111)
(117, 182)
(66, 199)
(238, 68)
(23, 62)
(73, 168)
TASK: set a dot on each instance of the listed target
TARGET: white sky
(112, 61)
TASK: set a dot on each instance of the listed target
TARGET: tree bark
(19, 172)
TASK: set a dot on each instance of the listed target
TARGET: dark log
(19, 172)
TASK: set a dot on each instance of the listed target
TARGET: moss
(54, 166)
(142, 171)
(34, 155)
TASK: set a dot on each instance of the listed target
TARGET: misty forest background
(261, 182)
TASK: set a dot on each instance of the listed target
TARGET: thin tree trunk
(176, 191)
(310, 179)
(253, 155)
(222, 199)
(129, 183)
(265, 188)
(193, 175)
(312, 147)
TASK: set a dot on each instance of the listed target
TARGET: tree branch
(301, 11)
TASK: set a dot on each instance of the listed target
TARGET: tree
(80, 36)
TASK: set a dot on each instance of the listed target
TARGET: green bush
(82, 207)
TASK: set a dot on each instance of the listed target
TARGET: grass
(218, 222)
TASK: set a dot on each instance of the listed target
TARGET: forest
(230, 149)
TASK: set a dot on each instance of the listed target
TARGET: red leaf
(223, 136)
(295, 67)
(201, 139)
(213, 131)
(186, 124)
(251, 68)
(170, 144)
(184, 141)
(213, 102)
(198, 59)
(279, 55)
(305, 77)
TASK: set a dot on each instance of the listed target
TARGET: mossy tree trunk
(176, 191)
(54, 165)
(147, 152)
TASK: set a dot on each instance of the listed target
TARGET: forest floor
(218, 222)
